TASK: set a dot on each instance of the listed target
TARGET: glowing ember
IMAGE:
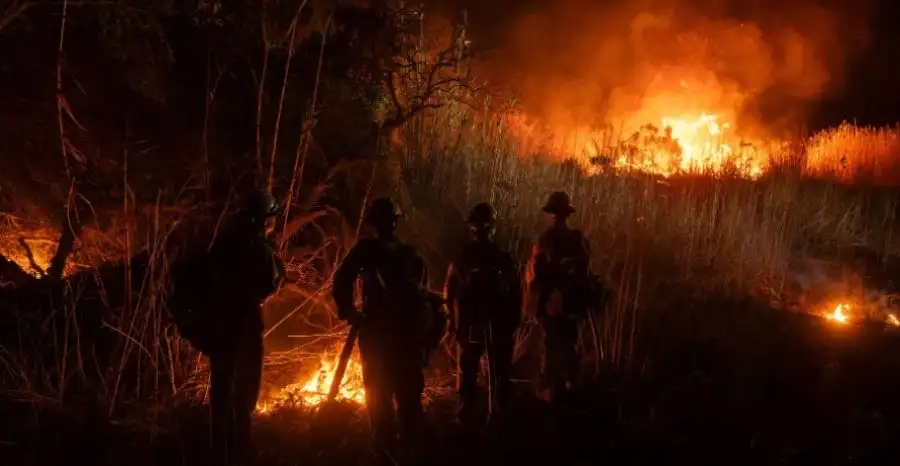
(893, 320)
(314, 389)
(839, 314)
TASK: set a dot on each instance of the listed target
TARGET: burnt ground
(740, 388)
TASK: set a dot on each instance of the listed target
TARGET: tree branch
(426, 79)
(13, 12)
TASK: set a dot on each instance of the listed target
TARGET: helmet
(558, 203)
(261, 204)
(383, 209)
(482, 214)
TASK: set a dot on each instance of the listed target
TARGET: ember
(314, 389)
(893, 320)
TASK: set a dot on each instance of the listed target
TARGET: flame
(691, 145)
(839, 315)
(893, 320)
(313, 390)
(41, 247)
(675, 144)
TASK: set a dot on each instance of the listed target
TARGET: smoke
(578, 62)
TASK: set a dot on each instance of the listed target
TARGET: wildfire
(695, 143)
(839, 314)
(41, 249)
(688, 145)
(314, 389)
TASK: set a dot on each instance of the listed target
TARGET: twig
(293, 312)
(13, 12)
(292, 32)
(30, 256)
(365, 202)
(211, 89)
(261, 92)
(59, 91)
(303, 146)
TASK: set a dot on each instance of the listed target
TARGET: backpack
(572, 288)
(485, 283)
(390, 273)
(484, 295)
(191, 285)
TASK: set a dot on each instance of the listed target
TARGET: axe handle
(342, 363)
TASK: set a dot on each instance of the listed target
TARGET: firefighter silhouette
(483, 293)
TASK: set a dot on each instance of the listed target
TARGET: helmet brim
(558, 210)
(276, 210)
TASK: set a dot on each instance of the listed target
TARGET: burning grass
(721, 231)
(702, 235)
(839, 314)
(658, 240)
(682, 210)
(312, 389)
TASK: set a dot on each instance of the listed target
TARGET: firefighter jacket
(483, 288)
(395, 296)
(558, 276)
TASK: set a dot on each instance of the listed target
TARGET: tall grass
(104, 335)
(856, 154)
(701, 235)
(712, 230)
(694, 235)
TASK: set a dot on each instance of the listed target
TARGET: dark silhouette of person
(223, 290)
(483, 292)
(559, 280)
(393, 336)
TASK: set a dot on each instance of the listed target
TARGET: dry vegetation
(103, 337)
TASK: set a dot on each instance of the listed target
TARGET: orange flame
(893, 320)
(839, 315)
(313, 390)
(686, 143)
(41, 246)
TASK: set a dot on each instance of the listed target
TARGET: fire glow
(686, 91)
(839, 314)
(313, 390)
(893, 320)
(687, 144)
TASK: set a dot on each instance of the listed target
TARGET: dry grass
(740, 231)
(700, 235)
(856, 154)
(703, 235)
(105, 338)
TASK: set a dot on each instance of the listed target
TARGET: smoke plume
(580, 62)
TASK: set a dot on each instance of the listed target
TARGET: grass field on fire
(754, 277)
(751, 316)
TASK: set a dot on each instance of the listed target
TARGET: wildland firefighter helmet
(558, 203)
(383, 209)
(260, 205)
(482, 214)
(481, 220)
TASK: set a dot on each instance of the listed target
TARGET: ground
(806, 391)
